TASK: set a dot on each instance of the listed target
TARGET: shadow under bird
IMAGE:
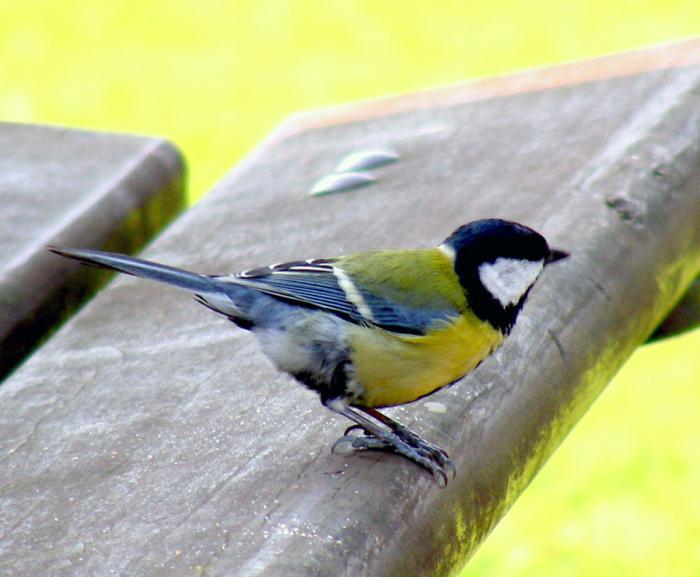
(379, 328)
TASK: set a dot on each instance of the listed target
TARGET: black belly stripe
(335, 389)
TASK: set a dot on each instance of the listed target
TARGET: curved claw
(440, 457)
(437, 454)
(344, 440)
(337, 443)
(450, 466)
(427, 459)
(352, 428)
(440, 477)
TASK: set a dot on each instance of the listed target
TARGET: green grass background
(621, 495)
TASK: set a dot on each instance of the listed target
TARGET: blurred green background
(215, 76)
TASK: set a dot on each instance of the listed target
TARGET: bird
(375, 329)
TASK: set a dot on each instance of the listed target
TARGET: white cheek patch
(508, 279)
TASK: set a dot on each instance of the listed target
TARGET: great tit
(375, 329)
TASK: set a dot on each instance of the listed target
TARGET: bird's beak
(555, 255)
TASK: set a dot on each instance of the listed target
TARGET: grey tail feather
(193, 282)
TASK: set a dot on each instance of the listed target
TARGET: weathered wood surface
(151, 438)
(74, 187)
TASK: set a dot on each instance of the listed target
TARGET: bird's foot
(404, 442)
(439, 455)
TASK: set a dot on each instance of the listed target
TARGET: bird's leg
(377, 438)
(413, 439)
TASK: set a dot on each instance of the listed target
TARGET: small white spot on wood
(341, 182)
(366, 160)
(435, 407)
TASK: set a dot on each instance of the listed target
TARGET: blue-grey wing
(314, 284)
(401, 318)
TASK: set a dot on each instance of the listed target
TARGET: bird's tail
(193, 282)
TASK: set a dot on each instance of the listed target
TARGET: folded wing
(321, 284)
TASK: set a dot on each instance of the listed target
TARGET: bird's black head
(497, 263)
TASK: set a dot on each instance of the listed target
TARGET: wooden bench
(78, 188)
(148, 437)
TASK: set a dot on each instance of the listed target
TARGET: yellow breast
(393, 369)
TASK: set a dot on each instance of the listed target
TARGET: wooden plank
(73, 187)
(149, 437)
